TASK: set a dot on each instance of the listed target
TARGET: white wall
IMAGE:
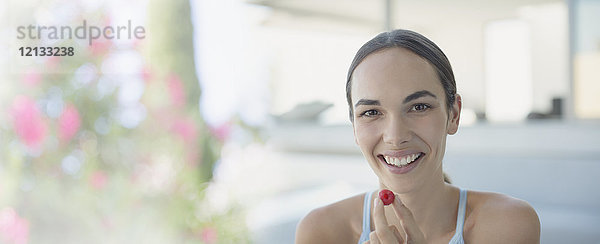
(549, 59)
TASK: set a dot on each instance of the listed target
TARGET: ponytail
(446, 178)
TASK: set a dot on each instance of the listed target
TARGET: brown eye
(420, 107)
(369, 113)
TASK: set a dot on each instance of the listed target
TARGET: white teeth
(401, 161)
(404, 161)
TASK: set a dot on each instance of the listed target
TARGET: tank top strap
(462, 209)
(366, 221)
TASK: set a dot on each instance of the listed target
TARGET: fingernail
(377, 202)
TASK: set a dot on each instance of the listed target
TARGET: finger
(407, 220)
(373, 239)
(381, 225)
(396, 232)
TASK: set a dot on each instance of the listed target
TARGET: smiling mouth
(401, 161)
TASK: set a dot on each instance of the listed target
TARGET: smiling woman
(403, 103)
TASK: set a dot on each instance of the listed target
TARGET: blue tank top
(460, 219)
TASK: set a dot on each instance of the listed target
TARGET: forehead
(394, 70)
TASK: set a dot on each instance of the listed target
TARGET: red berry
(386, 196)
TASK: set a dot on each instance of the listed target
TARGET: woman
(402, 99)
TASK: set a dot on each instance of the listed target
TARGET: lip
(404, 169)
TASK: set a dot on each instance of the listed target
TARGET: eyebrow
(409, 98)
(366, 102)
(417, 95)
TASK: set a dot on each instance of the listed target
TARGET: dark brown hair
(417, 44)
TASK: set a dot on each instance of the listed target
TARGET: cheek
(432, 130)
(366, 135)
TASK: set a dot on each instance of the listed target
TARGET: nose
(396, 132)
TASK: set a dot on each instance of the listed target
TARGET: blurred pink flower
(28, 122)
(176, 90)
(69, 123)
(146, 74)
(98, 180)
(13, 229)
(32, 77)
(209, 235)
(186, 129)
(222, 131)
(100, 47)
(52, 63)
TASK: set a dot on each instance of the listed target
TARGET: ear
(454, 119)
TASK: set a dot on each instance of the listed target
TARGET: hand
(388, 234)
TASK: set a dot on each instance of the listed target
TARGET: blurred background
(228, 122)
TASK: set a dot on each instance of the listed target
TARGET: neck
(434, 207)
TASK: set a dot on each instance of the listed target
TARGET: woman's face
(401, 119)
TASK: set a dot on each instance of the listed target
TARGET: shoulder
(339, 222)
(498, 218)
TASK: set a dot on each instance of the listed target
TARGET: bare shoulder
(498, 218)
(338, 222)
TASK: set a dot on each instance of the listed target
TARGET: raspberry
(386, 196)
